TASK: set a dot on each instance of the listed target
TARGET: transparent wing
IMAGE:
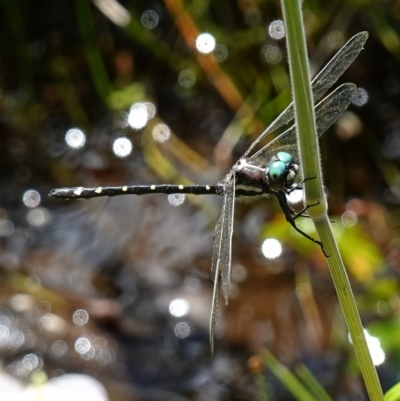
(226, 243)
(222, 251)
(321, 83)
(326, 113)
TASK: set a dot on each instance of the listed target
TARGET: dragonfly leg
(294, 188)
(300, 214)
(299, 185)
(290, 218)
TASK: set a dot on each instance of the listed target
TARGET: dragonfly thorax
(279, 174)
(252, 178)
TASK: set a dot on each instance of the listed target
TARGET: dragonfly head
(282, 171)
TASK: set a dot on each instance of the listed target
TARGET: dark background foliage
(123, 261)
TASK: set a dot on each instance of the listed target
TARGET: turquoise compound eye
(284, 157)
(276, 171)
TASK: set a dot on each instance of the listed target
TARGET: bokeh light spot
(38, 217)
(122, 147)
(186, 78)
(295, 196)
(82, 345)
(59, 348)
(182, 330)
(271, 248)
(161, 133)
(276, 29)
(16, 339)
(149, 19)
(138, 116)
(348, 126)
(31, 198)
(193, 285)
(75, 138)
(272, 54)
(349, 219)
(179, 307)
(30, 361)
(4, 334)
(176, 199)
(151, 110)
(361, 97)
(80, 317)
(374, 345)
(205, 43)
(220, 53)
(335, 40)
(6, 228)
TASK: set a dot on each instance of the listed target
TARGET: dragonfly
(274, 170)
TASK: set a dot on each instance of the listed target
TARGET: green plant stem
(93, 57)
(286, 377)
(309, 153)
(312, 383)
(349, 309)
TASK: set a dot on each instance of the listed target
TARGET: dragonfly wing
(226, 243)
(214, 311)
(321, 83)
(216, 267)
(327, 112)
(338, 65)
(222, 250)
(217, 239)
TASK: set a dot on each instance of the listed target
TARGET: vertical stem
(309, 152)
